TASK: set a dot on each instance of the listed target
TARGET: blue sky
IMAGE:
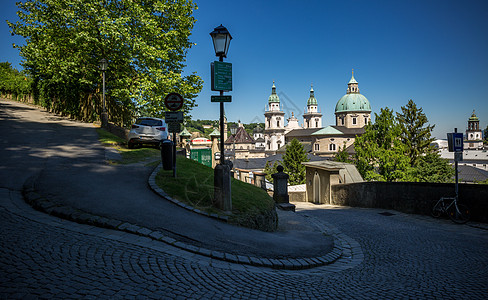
(434, 52)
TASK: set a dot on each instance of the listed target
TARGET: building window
(277, 123)
(317, 124)
(354, 121)
(316, 147)
(332, 147)
(365, 121)
(342, 121)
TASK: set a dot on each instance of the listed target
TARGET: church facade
(474, 135)
(352, 113)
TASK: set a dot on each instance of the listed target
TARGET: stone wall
(410, 197)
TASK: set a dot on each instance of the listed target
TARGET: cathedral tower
(312, 118)
(274, 124)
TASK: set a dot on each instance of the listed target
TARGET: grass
(193, 185)
(129, 156)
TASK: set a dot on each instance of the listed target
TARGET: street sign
(221, 76)
(174, 127)
(221, 98)
(173, 116)
(458, 156)
(455, 142)
(173, 101)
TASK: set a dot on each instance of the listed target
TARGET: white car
(147, 131)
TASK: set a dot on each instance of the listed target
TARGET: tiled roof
(241, 137)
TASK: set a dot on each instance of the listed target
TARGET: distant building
(474, 135)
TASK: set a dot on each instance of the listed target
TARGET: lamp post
(233, 131)
(103, 67)
(221, 40)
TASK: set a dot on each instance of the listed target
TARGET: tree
(145, 43)
(380, 154)
(292, 162)
(485, 134)
(415, 133)
(342, 155)
(271, 168)
(432, 168)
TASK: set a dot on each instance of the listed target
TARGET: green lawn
(193, 185)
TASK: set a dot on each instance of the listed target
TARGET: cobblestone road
(404, 257)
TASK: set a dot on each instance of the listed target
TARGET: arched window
(354, 121)
(277, 123)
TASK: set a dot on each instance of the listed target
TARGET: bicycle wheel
(436, 209)
(460, 215)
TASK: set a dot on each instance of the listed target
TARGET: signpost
(455, 144)
(221, 76)
(174, 118)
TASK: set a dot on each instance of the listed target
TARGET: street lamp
(103, 67)
(221, 40)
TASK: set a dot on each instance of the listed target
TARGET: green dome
(353, 102)
(273, 98)
(473, 117)
(312, 100)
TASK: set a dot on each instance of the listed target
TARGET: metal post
(456, 170)
(174, 154)
(103, 92)
(222, 126)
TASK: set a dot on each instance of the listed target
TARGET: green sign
(221, 98)
(221, 76)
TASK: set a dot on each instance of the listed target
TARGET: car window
(149, 122)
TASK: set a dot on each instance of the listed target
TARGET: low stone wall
(298, 196)
(410, 197)
(118, 131)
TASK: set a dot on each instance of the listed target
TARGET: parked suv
(147, 131)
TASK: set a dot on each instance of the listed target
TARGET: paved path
(386, 257)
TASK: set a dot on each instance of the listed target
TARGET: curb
(40, 203)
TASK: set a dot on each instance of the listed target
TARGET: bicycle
(459, 213)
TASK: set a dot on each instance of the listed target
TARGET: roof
(471, 174)
(473, 117)
(241, 137)
(273, 98)
(307, 146)
(301, 132)
(339, 130)
(353, 102)
(353, 80)
(185, 133)
(312, 100)
(347, 171)
(259, 163)
(215, 132)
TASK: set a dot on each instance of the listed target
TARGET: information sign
(173, 116)
(455, 142)
(221, 78)
(174, 127)
(221, 98)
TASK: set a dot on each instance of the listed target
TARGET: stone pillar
(215, 149)
(280, 190)
(222, 187)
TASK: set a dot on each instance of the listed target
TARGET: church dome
(352, 100)
(273, 98)
(473, 117)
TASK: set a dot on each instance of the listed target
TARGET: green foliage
(415, 134)
(145, 44)
(271, 168)
(380, 155)
(292, 162)
(432, 168)
(342, 155)
(14, 84)
(485, 135)
(398, 149)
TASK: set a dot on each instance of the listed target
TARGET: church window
(317, 124)
(316, 147)
(277, 123)
(332, 147)
(342, 120)
(269, 123)
(354, 121)
(365, 121)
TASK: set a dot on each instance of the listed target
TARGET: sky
(431, 51)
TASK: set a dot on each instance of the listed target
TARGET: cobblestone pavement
(404, 257)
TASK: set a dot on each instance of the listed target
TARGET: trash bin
(167, 154)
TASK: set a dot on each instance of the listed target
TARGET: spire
(311, 99)
(352, 85)
(273, 98)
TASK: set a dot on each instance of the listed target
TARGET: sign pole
(174, 154)
(456, 170)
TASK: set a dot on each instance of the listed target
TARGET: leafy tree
(342, 155)
(432, 168)
(145, 43)
(292, 162)
(271, 168)
(485, 134)
(415, 133)
(380, 154)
